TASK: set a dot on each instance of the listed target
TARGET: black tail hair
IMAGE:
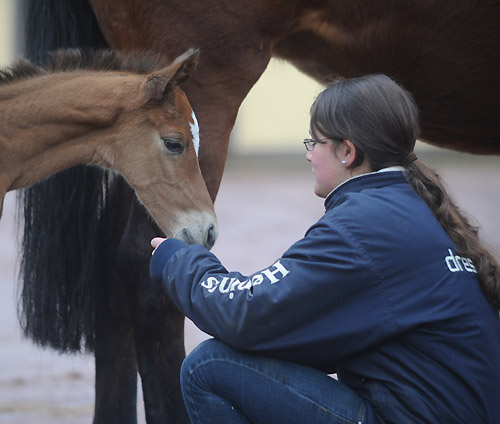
(62, 243)
(55, 24)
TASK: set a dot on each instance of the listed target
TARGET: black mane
(22, 69)
(67, 60)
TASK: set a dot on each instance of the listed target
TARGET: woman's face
(332, 164)
(327, 167)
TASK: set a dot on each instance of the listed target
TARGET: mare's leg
(115, 356)
(116, 368)
(158, 326)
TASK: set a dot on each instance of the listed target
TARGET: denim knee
(205, 351)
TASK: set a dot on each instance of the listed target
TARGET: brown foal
(108, 114)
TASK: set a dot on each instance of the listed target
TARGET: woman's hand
(156, 242)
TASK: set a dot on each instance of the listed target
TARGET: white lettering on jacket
(457, 263)
(272, 275)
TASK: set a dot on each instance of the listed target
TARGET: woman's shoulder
(366, 198)
(380, 210)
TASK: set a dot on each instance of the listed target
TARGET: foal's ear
(156, 84)
(186, 64)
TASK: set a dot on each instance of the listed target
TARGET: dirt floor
(264, 205)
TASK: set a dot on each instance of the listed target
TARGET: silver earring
(344, 162)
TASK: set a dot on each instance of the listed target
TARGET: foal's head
(153, 137)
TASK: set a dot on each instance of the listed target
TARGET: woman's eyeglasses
(309, 143)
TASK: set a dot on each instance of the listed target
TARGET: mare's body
(446, 54)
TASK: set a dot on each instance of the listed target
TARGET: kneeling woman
(391, 289)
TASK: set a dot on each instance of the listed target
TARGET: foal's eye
(173, 146)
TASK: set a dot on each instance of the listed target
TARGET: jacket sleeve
(321, 298)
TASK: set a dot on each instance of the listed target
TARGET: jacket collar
(378, 179)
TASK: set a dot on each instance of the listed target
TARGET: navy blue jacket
(375, 292)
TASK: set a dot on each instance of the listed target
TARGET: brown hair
(381, 119)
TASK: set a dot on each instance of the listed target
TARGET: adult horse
(102, 108)
(446, 53)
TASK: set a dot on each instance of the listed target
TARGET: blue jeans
(224, 385)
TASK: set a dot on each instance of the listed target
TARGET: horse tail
(63, 216)
(55, 24)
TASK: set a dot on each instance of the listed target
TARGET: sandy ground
(264, 205)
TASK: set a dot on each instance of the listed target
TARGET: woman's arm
(321, 295)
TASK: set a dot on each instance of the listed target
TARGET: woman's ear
(348, 152)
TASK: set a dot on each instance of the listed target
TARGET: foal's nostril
(211, 236)
(186, 236)
(208, 239)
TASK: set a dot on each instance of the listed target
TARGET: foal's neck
(54, 122)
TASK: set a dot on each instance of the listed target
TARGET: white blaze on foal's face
(195, 130)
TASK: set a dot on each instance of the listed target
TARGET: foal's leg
(158, 327)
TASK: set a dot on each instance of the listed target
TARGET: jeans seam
(362, 412)
(193, 408)
(191, 372)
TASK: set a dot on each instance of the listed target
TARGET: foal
(139, 125)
